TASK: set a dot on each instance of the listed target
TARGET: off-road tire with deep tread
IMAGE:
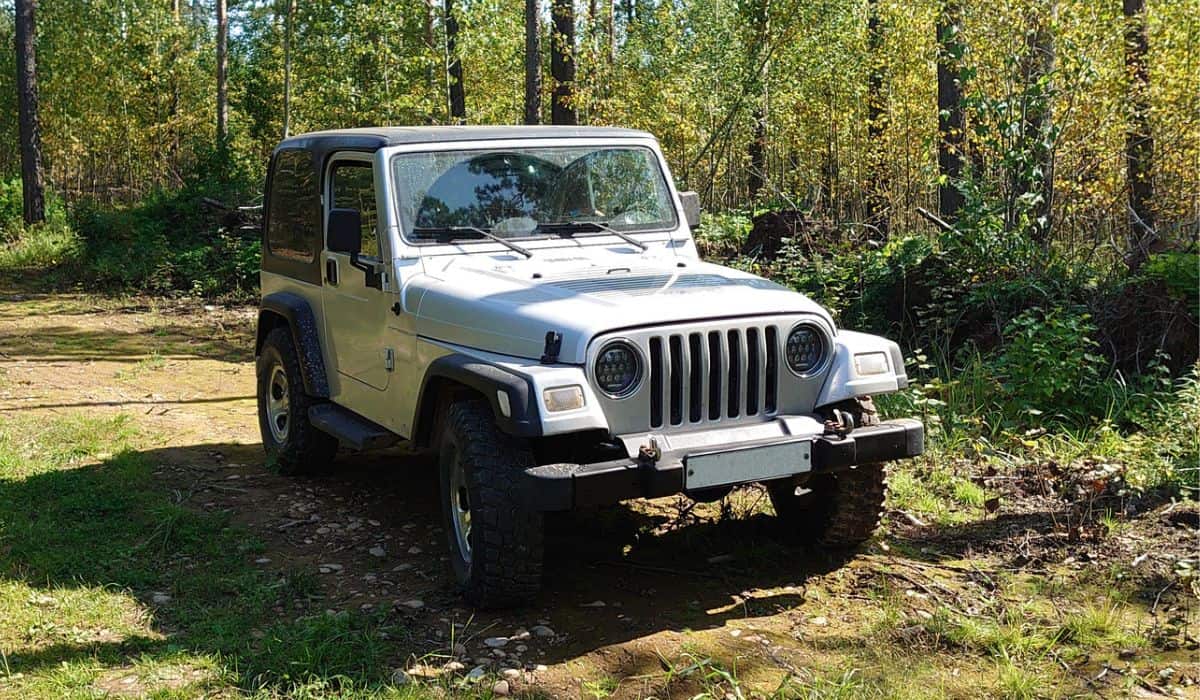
(507, 537)
(838, 511)
(306, 451)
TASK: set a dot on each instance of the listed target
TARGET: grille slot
(713, 376)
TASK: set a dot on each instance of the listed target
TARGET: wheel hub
(460, 511)
(277, 403)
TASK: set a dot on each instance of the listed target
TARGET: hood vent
(645, 284)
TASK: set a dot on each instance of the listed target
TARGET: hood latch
(552, 347)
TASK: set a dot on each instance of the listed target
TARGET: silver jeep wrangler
(529, 302)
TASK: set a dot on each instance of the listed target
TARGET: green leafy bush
(168, 243)
(1049, 362)
(12, 199)
(1179, 272)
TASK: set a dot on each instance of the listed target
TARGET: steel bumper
(568, 486)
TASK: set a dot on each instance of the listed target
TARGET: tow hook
(839, 425)
(649, 454)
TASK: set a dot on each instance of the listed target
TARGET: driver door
(356, 306)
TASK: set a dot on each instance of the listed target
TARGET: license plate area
(742, 465)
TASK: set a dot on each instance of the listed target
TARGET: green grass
(87, 543)
(39, 249)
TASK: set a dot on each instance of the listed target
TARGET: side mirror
(691, 208)
(344, 231)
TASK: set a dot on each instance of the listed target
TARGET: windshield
(530, 192)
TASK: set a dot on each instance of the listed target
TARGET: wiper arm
(434, 230)
(570, 226)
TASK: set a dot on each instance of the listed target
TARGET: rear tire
(841, 510)
(292, 444)
(496, 542)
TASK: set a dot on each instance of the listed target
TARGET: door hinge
(389, 359)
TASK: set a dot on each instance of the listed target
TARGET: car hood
(506, 305)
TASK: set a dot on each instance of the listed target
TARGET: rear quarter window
(294, 214)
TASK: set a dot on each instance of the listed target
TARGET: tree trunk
(32, 178)
(288, 33)
(454, 72)
(950, 109)
(222, 75)
(562, 63)
(757, 150)
(173, 113)
(1037, 66)
(610, 34)
(877, 199)
(533, 63)
(1139, 143)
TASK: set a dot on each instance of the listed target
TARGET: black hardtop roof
(374, 138)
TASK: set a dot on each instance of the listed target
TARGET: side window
(353, 187)
(294, 219)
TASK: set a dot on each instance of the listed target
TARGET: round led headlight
(618, 369)
(805, 349)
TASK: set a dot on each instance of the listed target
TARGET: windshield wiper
(435, 230)
(567, 228)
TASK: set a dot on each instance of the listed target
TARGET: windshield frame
(524, 144)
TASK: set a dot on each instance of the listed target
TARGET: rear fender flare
(294, 310)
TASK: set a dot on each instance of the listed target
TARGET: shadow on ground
(190, 523)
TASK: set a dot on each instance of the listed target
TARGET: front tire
(496, 542)
(292, 444)
(837, 511)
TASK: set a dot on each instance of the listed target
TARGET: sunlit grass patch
(39, 248)
(933, 491)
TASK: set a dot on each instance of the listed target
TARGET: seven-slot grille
(698, 376)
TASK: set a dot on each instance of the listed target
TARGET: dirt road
(635, 595)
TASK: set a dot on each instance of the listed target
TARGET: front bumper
(568, 486)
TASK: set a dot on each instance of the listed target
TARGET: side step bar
(351, 429)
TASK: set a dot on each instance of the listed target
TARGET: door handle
(331, 271)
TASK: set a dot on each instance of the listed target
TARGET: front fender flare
(490, 381)
(843, 380)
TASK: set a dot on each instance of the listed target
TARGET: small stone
(500, 687)
(520, 634)
(403, 567)
(542, 631)
(377, 551)
(454, 666)
(495, 642)
(460, 649)
(415, 550)
(414, 604)
(399, 677)
(819, 621)
(521, 648)
(262, 560)
(511, 674)
(331, 567)
(735, 633)
(476, 673)
(540, 668)
(593, 604)
(373, 523)
(160, 599)
(322, 531)
(499, 653)
(1127, 654)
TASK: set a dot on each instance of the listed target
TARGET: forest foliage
(1027, 313)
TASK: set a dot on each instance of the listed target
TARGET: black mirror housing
(691, 208)
(344, 233)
